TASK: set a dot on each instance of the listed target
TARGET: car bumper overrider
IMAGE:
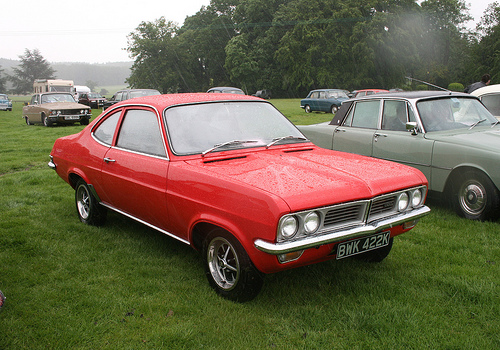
(409, 219)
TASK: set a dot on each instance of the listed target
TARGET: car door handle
(109, 160)
(377, 135)
(339, 130)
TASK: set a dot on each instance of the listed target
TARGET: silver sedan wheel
(307, 108)
(223, 263)
(472, 197)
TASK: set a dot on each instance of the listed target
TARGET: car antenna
(424, 82)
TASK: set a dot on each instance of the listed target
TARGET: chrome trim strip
(145, 223)
(374, 227)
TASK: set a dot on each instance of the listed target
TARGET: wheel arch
(456, 173)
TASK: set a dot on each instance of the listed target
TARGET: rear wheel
(376, 255)
(334, 109)
(89, 210)
(475, 196)
(228, 268)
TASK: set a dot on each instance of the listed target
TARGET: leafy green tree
(33, 66)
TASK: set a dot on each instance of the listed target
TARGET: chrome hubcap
(83, 202)
(223, 263)
(473, 197)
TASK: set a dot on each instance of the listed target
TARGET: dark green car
(451, 137)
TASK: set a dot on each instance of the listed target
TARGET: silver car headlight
(288, 227)
(403, 201)
(416, 198)
(311, 222)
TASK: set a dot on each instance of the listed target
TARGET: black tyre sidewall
(97, 213)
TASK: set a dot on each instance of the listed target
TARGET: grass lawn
(125, 286)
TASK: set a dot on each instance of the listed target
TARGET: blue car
(324, 100)
(5, 103)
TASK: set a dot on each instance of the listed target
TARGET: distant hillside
(104, 74)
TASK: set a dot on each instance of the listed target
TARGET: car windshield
(141, 93)
(336, 94)
(51, 98)
(94, 95)
(219, 126)
(453, 113)
(3, 97)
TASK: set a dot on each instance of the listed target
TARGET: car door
(323, 103)
(355, 134)
(393, 142)
(134, 171)
(33, 109)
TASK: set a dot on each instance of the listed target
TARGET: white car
(490, 97)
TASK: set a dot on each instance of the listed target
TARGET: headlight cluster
(304, 223)
(55, 112)
(413, 198)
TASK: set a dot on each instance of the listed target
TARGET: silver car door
(356, 133)
(393, 142)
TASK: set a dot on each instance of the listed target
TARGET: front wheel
(89, 210)
(229, 270)
(307, 108)
(475, 197)
(46, 121)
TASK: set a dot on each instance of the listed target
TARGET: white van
(80, 89)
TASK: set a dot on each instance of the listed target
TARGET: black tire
(475, 197)
(84, 121)
(334, 109)
(376, 255)
(307, 108)
(228, 268)
(89, 211)
(46, 121)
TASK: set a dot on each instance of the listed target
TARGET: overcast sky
(94, 31)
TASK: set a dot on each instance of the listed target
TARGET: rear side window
(140, 132)
(364, 115)
(106, 130)
(492, 102)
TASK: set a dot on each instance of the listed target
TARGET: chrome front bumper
(341, 235)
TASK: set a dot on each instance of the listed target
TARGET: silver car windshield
(198, 128)
(453, 113)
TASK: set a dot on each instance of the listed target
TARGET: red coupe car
(232, 177)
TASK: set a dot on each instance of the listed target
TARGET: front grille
(382, 205)
(70, 111)
(344, 214)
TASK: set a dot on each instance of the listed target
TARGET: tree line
(293, 46)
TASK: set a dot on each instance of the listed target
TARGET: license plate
(71, 117)
(361, 245)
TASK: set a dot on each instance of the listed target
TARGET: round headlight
(416, 198)
(403, 201)
(288, 227)
(311, 222)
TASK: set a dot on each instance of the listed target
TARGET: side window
(394, 116)
(322, 95)
(106, 130)
(34, 100)
(119, 96)
(492, 102)
(365, 114)
(140, 132)
(315, 95)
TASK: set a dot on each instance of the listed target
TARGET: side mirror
(412, 127)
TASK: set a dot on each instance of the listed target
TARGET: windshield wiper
(495, 123)
(228, 143)
(479, 121)
(290, 137)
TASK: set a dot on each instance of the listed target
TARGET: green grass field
(125, 286)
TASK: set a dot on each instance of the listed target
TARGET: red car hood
(313, 177)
